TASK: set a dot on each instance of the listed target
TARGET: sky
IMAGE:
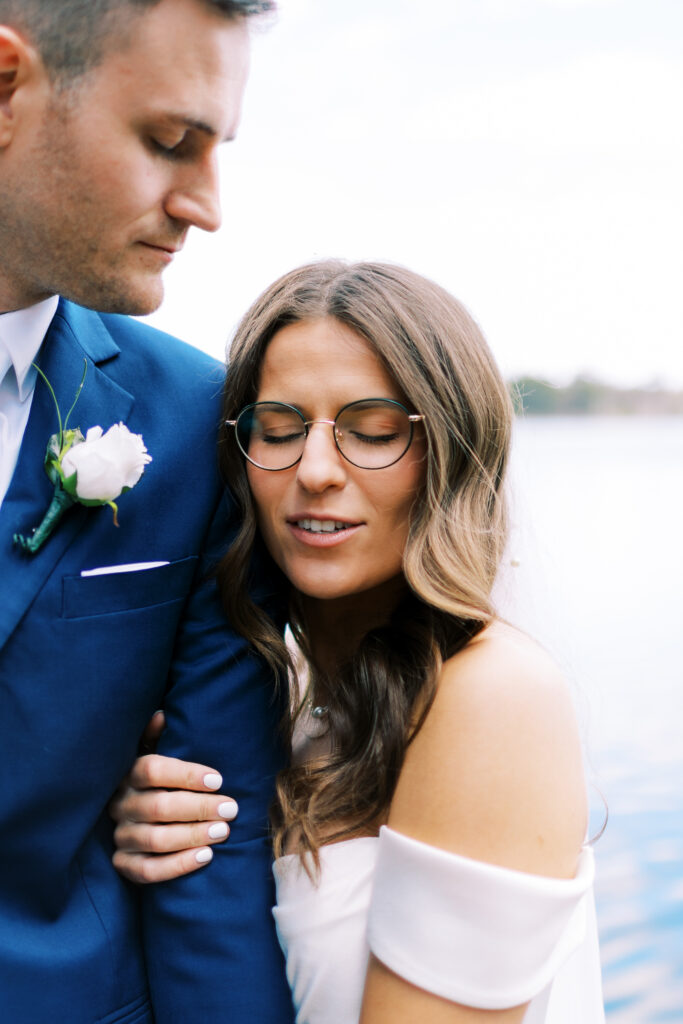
(526, 154)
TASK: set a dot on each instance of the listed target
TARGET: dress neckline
(327, 847)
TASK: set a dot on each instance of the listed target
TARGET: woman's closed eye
(373, 439)
(273, 437)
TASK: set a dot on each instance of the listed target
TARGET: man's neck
(13, 306)
(17, 293)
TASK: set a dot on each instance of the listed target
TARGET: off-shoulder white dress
(474, 933)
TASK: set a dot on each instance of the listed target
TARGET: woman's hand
(168, 815)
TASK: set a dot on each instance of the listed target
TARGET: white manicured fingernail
(219, 830)
(213, 781)
(204, 855)
(228, 810)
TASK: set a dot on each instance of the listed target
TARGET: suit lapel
(75, 335)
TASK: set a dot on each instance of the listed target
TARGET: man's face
(100, 184)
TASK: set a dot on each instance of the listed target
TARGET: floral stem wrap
(61, 501)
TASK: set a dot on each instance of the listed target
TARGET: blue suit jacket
(84, 661)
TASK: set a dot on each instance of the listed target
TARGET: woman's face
(319, 366)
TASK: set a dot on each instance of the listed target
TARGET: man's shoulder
(156, 344)
(136, 353)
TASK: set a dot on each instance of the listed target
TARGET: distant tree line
(588, 397)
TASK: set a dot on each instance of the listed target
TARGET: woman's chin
(372, 595)
(325, 590)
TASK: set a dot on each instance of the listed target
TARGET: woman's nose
(321, 465)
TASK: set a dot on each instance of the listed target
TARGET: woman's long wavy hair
(380, 694)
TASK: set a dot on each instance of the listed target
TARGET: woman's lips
(322, 533)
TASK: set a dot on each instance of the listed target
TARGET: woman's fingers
(154, 771)
(168, 815)
(133, 837)
(145, 868)
(160, 805)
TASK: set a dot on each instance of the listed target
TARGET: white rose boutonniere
(106, 465)
(92, 470)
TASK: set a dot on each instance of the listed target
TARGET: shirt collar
(21, 334)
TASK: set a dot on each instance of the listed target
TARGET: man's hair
(71, 35)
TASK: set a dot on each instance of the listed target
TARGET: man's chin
(130, 298)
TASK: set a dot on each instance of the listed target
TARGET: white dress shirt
(21, 335)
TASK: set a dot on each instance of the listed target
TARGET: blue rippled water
(640, 894)
(598, 538)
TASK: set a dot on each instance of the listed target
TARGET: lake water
(597, 533)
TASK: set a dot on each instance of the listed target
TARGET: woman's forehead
(325, 356)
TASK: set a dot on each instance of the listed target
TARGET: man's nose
(195, 197)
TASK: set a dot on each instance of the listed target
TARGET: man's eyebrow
(198, 125)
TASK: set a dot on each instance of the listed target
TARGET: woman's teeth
(321, 525)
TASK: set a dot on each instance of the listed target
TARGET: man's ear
(17, 62)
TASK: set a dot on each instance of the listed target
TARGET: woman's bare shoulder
(506, 664)
(495, 772)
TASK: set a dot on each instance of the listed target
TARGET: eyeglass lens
(371, 434)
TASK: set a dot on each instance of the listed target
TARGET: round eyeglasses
(371, 434)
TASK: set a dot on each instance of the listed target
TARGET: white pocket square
(108, 570)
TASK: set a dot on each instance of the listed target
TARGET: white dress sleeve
(474, 933)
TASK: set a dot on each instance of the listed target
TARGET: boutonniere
(92, 470)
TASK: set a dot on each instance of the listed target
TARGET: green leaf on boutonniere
(52, 460)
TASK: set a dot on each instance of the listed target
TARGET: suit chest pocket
(88, 596)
